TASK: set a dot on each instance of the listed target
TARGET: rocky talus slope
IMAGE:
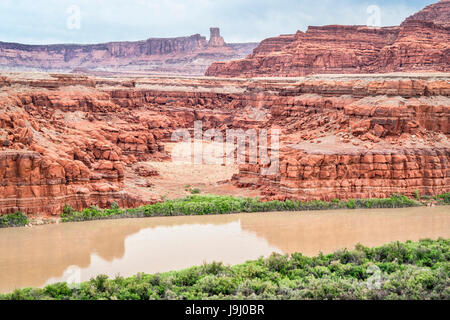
(420, 43)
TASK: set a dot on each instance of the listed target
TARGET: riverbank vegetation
(18, 219)
(443, 198)
(209, 204)
(197, 204)
(411, 270)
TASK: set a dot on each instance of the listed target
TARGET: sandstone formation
(420, 43)
(438, 13)
(182, 55)
(77, 140)
(215, 39)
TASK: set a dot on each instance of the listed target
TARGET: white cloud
(45, 21)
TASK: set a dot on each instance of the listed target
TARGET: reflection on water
(47, 254)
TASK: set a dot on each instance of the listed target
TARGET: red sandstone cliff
(421, 43)
(183, 55)
(78, 140)
(437, 13)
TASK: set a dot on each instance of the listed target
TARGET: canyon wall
(182, 55)
(420, 43)
(77, 140)
(439, 13)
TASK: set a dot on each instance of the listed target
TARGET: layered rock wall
(182, 55)
(32, 183)
(421, 43)
(358, 139)
(75, 140)
(353, 174)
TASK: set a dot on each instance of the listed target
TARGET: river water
(76, 252)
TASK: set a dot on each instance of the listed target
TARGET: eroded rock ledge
(75, 140)
(420, 43)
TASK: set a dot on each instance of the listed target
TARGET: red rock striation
(182, 55)
(80, 140)
(421, 43)
(438, 13)
(36, 184)
(358, 138)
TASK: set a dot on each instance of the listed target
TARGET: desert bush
(410, 270)
(209, 204)
(443, 198)
(18, 219)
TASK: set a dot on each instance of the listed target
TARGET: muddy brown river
(76, 252)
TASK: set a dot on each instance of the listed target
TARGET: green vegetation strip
(209, 204)
(443, 198)
(411, 270)
(18, 219)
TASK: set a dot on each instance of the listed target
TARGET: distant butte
(421, 43)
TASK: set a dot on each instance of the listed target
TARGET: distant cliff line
(191, 54)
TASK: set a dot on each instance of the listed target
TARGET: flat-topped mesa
(180, 55)
(215, 39)
(328, 49)
(274, 44)
(156, 46)
(421, 43)
(71, 53)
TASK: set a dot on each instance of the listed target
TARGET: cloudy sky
(93, 21)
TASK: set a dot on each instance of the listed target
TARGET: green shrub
(214, 285)
(278, 263)
(58, 291)
(416, 194)
(410, 270)
(18, 219)
(209, 204)
(68, 210)
(351, 204)
(114, 206)
(443, 198)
